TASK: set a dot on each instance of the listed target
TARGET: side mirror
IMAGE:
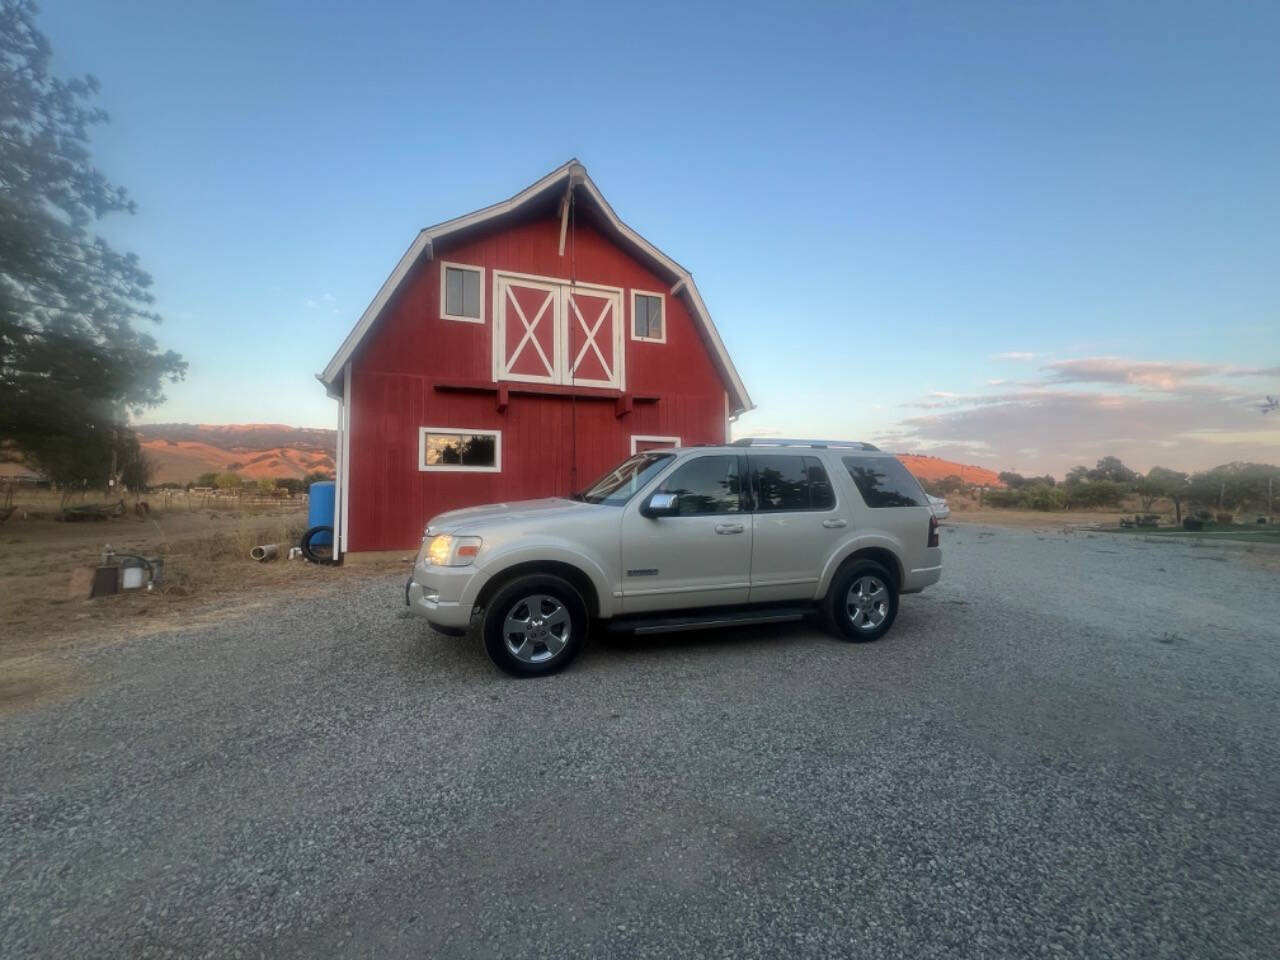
(660, 505)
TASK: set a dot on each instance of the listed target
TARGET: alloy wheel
(867, 603)
(536, 628)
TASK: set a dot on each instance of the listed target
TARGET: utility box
(117, 572)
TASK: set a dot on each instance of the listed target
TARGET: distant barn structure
(518, 352)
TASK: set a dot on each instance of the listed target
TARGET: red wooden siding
(394, 378)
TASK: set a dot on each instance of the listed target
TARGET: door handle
(835, 524)
(729, 528)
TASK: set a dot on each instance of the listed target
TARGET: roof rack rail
(816, 444)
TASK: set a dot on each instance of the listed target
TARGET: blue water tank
(320, 504)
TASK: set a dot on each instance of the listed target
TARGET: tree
(1163, 482)
(137, 470)
(1110, 468)
(1103, 486)
(1014, 481)
(1233, 486)
(317, 476)
(229, 481)
(72, 363)
(209, 479)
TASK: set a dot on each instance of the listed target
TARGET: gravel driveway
(1070, 747)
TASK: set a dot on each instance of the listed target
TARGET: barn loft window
(459, 450)
(647, 320)
(461, 292)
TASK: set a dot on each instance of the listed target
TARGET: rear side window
(884, 482)
(821, 494)
(792, 483)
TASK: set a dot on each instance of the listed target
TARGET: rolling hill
(183, 451)
(934, 468)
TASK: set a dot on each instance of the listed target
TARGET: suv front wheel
(534, 625)
(862, 602)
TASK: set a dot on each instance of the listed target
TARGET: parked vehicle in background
(755, 531)
(939, 507)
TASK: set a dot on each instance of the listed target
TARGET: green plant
(1044, 497)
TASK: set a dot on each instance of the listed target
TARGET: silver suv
(755, 531)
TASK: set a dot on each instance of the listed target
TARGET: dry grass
(45, 571)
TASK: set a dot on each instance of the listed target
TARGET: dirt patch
(45, 567)
(31, 680)
(1039, 520)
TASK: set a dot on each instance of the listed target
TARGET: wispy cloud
(1181, 414)
(320, 302)
(1254, 372)
(1070, 427)
(1019, 356)
(1154, 375)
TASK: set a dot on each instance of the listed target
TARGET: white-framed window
(461, 292)
(641, 442)
(648, 316)
(459, 450)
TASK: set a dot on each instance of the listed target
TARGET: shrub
(1044, 497)
(1003, 498)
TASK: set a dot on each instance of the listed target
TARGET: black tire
(543, 647)
(850, 616)
(318, 553)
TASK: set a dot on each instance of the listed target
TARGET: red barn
(516, 352)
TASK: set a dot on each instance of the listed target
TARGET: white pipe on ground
(265, 552)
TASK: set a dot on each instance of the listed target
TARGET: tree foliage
(1234, 486)
(73, 361)
(1162, 482)
(1016, 481)
(1230, 487)
(1103, 486)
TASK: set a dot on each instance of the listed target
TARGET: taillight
(933, 531)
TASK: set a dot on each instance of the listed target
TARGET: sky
(1021, 235)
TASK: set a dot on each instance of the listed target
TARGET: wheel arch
(575, 576)
(878, 552)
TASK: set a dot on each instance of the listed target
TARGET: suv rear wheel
(534, 625)
(862, 602)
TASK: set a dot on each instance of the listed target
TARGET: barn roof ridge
(576, 173)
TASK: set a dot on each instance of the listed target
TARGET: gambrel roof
(547, 193)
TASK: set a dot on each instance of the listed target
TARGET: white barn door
(593, 335)
(548, 331)
(527, 338)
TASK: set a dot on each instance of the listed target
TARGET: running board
(710, 620)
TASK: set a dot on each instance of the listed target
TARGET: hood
(471, 519)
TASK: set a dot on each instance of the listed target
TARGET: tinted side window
(781, 483)
(884, 482)
(821, 494)
(706, 485)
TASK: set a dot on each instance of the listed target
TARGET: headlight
(450, 551)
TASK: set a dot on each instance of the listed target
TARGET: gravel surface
(1069, 747)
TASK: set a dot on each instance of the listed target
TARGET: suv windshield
(620, 484)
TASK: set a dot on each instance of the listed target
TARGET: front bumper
(438, 595)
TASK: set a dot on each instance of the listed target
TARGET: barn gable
(545, 198)
(516, 353)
